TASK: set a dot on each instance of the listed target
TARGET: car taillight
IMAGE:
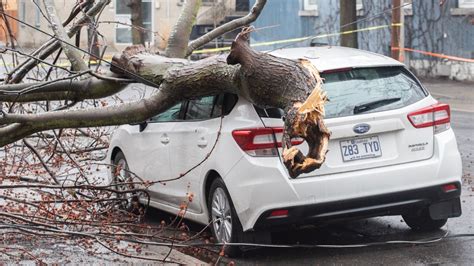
(437, 116)
(449, 188)
(262, 141)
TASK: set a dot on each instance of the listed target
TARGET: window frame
(465, 4)
(307, 6)
(214, 102)
(184, 109)
(22, 12)
(180, 115)
(128, 17)
(37, 17)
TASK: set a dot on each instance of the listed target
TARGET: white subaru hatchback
(392, 152)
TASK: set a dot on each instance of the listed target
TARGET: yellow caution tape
(227, 48)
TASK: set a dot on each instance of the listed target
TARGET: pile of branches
(64, 194)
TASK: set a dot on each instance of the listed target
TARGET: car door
(155, 150)
(191, 141)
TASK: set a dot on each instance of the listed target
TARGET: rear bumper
(260, 185)
(399, 203)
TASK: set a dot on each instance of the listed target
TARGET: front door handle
(165, 139)
(202, 142)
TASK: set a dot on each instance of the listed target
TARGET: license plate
(360, 148)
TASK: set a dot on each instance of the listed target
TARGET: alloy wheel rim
(221, 216)
(122, 177)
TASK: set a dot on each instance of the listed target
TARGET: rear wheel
(422, 221)
(226, 226)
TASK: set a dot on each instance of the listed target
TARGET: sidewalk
(62, 252)
(459, 95)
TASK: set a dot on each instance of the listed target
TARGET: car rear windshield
(366, 90)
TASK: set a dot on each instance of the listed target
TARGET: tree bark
(348, 15)
(178, 41)
(138, 36)
(72, 54)
(294, 86)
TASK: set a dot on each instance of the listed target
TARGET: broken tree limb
(294, 86)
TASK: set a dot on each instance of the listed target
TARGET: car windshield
(366, 90)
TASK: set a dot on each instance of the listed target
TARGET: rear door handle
(202, 142)
(165, 139)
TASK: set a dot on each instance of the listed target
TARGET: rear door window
(172, 114)
(200, 109)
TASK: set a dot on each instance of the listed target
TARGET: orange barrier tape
(435, 54)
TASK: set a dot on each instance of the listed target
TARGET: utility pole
(348, 15)
(398, 33)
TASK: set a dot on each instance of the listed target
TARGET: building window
(407, 6)
(37, 17)
(466, 3)
(242, 5)
(310, 5)
(123, 15)
(22, 12)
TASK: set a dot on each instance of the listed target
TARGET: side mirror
(142, 126)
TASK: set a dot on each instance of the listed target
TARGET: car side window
(172, 114)
(203, 108)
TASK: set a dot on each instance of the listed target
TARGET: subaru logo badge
(361, 128)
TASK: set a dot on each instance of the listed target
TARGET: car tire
(226, 227)
(422, 221)
(130, 203)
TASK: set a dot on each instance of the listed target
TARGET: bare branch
(229, 26)
(53, 45)
(73, 54)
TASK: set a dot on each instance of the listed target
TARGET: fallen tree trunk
(263, 79)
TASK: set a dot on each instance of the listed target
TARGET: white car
(392, 152)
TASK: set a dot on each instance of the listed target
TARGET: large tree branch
(205, 77)
(229, 26)
(178, 41)
(73, 90)
(72, 54)
(261, 78)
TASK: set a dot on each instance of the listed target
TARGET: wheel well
(114, 153)
(211, 176)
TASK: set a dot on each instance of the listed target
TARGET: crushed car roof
(335, 57)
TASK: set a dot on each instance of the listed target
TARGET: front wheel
(422, 221)
(122, 179)
(226, 226)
